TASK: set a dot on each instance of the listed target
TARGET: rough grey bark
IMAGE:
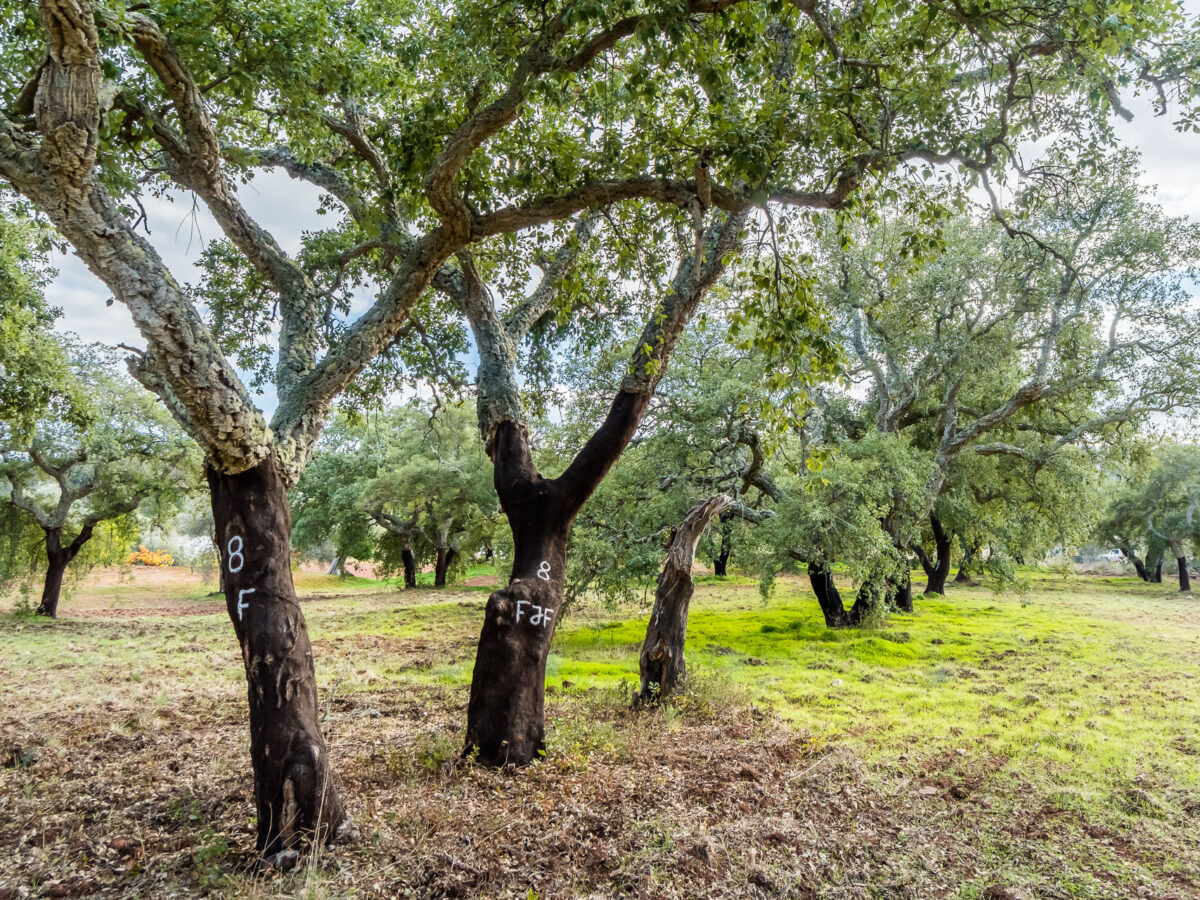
(661, 663)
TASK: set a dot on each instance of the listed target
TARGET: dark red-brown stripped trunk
(721, 560)
(442, 565)
(936, 583)
(505, 715)
(968, 555)
(1185, 583)
(410, 565)
(928, 565)
(828, 597)
(1156, 574)
(58, 558)
(900, 592)
(295, 795)
(820, 576)
(1142, 572)
(662, 665)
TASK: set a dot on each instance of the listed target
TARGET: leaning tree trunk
(1142, 572)
(821, 579)
(662, 664)
(505, 715)
(58, 558)
(940, 570)
(293, 786)
(928, 566)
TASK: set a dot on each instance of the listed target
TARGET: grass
(1046, 740)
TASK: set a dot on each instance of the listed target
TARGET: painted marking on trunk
(235, 552)
(543, 571)
(541, 614)
(242, 605)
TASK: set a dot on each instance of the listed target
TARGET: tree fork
(661, 663)
(293, 785)
(58, 558)
(821, 579)
(506, 712)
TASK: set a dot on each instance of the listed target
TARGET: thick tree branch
(197, 165)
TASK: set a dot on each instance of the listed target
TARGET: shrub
(144, 557)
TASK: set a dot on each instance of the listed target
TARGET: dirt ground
(125, 774)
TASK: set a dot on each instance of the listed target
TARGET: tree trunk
(1138, 565)
(828, 597)
(721, 560)
(900, 594)
(1156, 578)
(505, 715)
(820, 576)
(941, 570)
(58, 558)
(1185, 583)
(962, 577)
(662, 664)
(410, 565)
(293, 787)
(721, 563)
(441, 564)
(928, 566)
(220, 567)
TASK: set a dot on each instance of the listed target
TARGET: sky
(179, 228)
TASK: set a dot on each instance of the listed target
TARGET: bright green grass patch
(1087, 684)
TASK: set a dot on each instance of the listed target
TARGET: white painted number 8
(543, 571)
(235, 553)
